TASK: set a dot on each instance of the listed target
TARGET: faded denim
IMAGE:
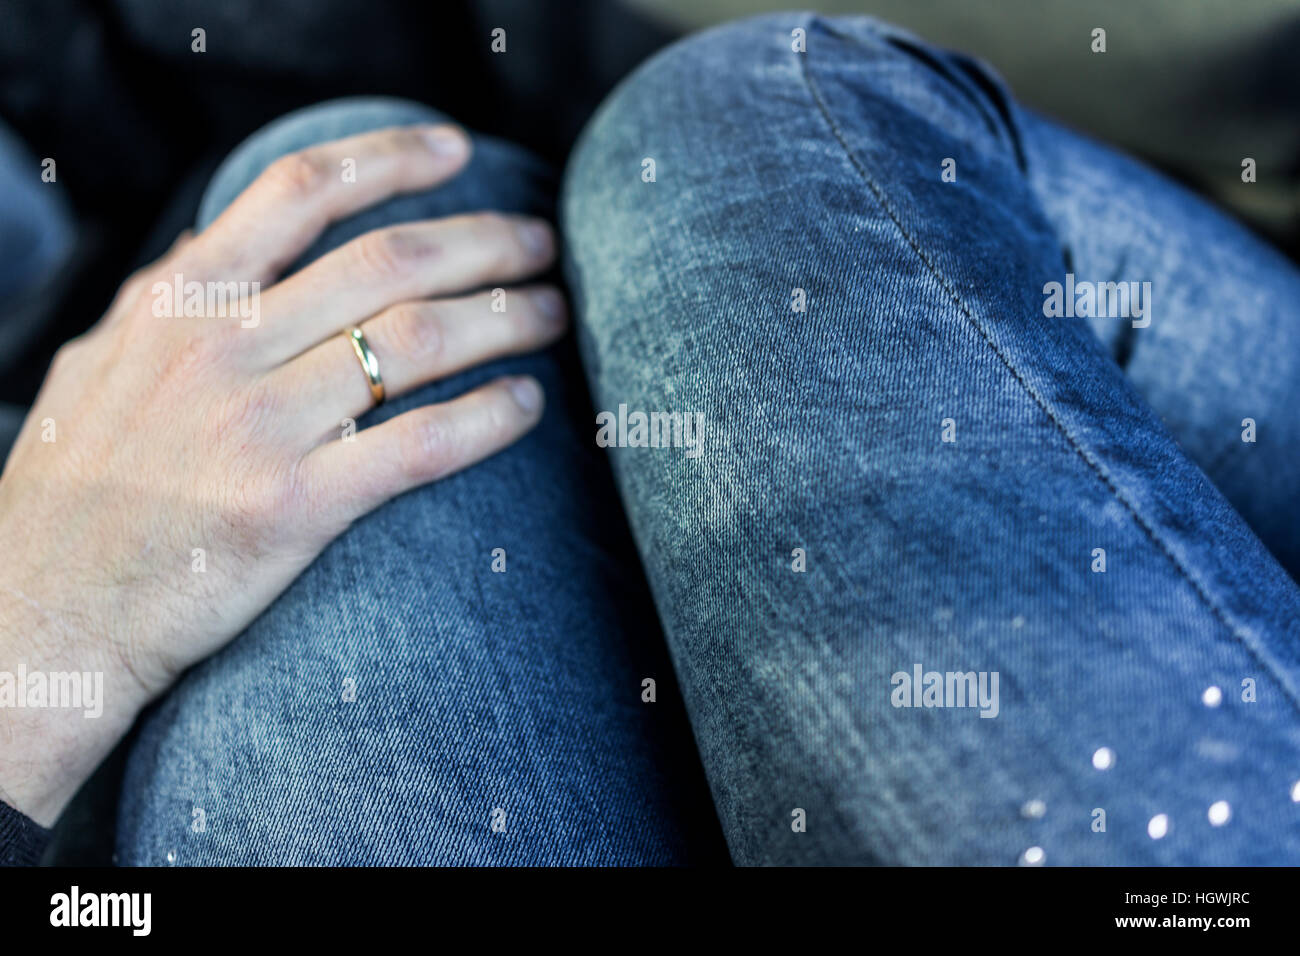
(476, 691)
(777, 170)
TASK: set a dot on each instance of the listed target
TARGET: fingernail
(445, 140)
(536, 237)
(527, 393)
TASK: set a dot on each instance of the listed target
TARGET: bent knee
(499, 176)
(728, 103)
(319, 123)
(759, 165)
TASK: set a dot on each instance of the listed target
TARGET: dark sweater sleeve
(21, 840)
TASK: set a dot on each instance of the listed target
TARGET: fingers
(288, 206)
(416, 260)
(419, 342)
(352, 477)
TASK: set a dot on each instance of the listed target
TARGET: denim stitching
(1083, 453)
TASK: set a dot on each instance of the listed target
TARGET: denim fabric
(822, 171)
(515, 694)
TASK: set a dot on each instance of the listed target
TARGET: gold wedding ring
(369, 364)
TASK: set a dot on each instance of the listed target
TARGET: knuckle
(387, 253)
(426, 447)
(492, 224)
(296, 175)
(402, 140)
(65, 358)
(139, 281)
(497, 233)
(140, 291)
(260, 500)
(185, 361)
(252, 507)
(415, 330)
(193, 349)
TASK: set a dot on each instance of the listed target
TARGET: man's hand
(177, 473)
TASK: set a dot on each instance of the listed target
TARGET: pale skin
(172, 434)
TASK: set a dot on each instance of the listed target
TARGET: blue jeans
(498, 716)
(944, 578)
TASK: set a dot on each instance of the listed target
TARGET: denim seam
(1041, 402)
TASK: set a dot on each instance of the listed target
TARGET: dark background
(138, 122)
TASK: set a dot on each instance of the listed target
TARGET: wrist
(62, 710)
